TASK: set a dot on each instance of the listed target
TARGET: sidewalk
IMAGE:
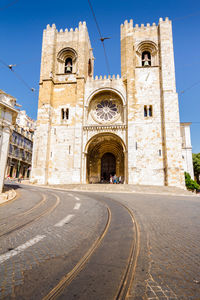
(8, 194)
(119, 188)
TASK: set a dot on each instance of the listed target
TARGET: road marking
(77, 198)
(77, 205)
(70, 195)
(21, 248)
(64, 221)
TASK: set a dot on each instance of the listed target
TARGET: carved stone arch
(66, 52)
(102, 136)
(148, 47)
(62, 55)
(105, 144)
(105, 106)
(105, 89)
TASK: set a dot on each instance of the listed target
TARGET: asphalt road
(81, 245)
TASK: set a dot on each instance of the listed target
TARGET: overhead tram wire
(8, 5)
(187, 16)
(10, 67)
(190, 87)
(101, 37)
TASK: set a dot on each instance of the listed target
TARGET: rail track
(127, 277)
(26, 212)
(32, 219)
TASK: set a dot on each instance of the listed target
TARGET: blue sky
(21, 27)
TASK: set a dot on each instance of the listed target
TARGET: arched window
(146, 59)
(67, 61)
(147, 54)
(68, 65)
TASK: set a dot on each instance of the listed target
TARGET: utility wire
(101, 37)
(190, 87)
(187, 16)
(10, 67)
(8, 5)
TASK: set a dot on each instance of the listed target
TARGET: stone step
(125, 188)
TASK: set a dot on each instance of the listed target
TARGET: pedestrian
(111, 179)
(115, 179)
(20, 178)
(120, 179)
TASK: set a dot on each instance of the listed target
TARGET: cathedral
(90, 128)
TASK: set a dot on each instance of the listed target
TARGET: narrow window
(146, 59)
(63, 113)
(145, 111)
(69, 149)
(68, 65)
(160, 152)
(150, 111)
(67, 113)
(89, 67)
(136, 145)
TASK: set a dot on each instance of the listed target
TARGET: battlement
(82, 27)
(128, 27)
(106, 78)
(79, 33)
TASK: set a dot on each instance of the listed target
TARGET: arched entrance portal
(108, 166)
(105, 156)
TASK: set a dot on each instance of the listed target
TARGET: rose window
(106, 110)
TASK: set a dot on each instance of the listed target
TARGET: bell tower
(66, 64)
(153, 134)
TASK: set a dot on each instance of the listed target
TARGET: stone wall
(147, 127)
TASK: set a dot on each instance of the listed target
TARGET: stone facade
(89, 128)
(8, 116)
(20, 148)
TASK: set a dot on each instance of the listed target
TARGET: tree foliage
(196, 165)
(190, 183)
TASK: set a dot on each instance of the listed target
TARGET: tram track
(127, 277)
(23, 224)
(127, 280)
(28, 211)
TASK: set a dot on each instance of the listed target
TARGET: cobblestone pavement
(169, 260)
(168, 265)
(45, 240)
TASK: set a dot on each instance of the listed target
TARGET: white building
(8, 116)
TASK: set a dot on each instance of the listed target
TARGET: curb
(122, 192)
(6, 201)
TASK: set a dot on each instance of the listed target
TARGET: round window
(106, 111)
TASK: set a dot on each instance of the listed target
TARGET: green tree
(190, 183)
(196, 165)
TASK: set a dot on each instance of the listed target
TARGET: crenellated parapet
(101, 83)
(106, 78)
(129, 27)
(67, 34)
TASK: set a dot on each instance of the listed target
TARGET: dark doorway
(11, 171)
(108, 166)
